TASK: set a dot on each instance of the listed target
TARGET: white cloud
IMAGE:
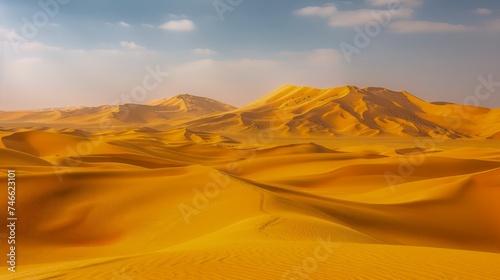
(425, 26)
(204, 52)
(398, 12)
(403, 3)
(131, 45)
(123, 24)
(19, 43)
(355, 17)
(324, 11)
(351, 18)
(147, 25)
(482, 11)
(363, 16)
(178, 25)
(7, 35)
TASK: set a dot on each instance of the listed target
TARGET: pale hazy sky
(75, 52)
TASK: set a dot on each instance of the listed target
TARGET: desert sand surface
(304, 183)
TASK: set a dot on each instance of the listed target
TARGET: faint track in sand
(273, 219)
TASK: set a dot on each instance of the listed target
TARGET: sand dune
(294, 110)
(217, 192)
(117, 214)
(177, 108)
(291, 111)
(188, 103)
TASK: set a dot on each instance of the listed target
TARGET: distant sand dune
(289, 111)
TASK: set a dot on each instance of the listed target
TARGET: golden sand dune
(349, 110)
(251, 194)
(188, 103)
(20, 159)
(200, 210)
(292, 111)
(180, 107)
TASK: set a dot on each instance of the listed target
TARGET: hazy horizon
(204, 96)
(92, 53)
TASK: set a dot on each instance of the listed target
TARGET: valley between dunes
(304, 183)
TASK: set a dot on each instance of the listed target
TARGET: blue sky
(94, 52)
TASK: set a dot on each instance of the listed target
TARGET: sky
(61, 53)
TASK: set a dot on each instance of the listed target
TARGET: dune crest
(352, 111)
(290, 111)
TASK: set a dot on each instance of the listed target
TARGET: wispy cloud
(404, 3)
(178, 25)
(131, 45)
(19, 43)
(324, 11)
(363, 16)
(204, 52)
(483, 11)
(123, 24)
(400, 13)
(426, 27)
(346, 18)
